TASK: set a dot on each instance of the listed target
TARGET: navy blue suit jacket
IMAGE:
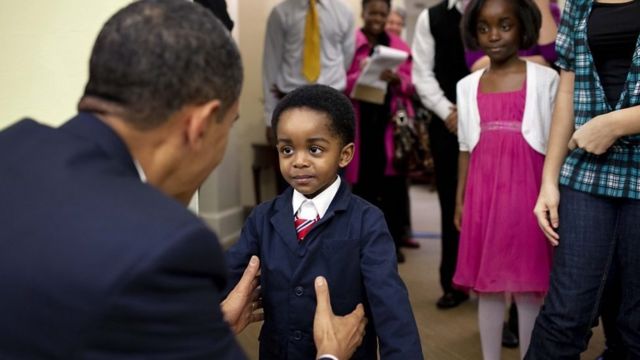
(353, 249)
(95, 264)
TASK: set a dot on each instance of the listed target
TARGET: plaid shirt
(615, 173)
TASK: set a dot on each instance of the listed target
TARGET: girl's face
(395, 24)
(498, 30)
(375, 15)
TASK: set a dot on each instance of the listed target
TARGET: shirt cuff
(327, 356)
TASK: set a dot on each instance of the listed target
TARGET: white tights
(491, 308)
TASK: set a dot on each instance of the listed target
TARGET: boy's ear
(346, 154)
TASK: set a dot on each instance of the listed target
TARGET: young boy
(317, 227)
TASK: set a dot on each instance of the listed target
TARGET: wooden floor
(445, 334)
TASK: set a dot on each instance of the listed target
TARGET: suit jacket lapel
(282, 221)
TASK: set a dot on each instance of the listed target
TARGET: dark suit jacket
(353, 249)
(95, 264)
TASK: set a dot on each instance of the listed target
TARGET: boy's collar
(320, 201)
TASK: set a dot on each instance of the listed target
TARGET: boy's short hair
(527, 13)
(323, 99)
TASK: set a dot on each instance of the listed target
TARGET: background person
(504, 118)
(438, 64)
(589, 178)
(372, 171)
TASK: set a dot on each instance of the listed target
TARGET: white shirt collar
(321, 201)
(459, 4)
(141, 173)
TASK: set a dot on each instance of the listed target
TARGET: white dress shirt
(284, 43)
(423, 53)
(321, 201)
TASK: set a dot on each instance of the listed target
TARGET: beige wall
(45, 46)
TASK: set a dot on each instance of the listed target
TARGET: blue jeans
(595, 232)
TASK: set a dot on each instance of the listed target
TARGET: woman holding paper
(371, 172)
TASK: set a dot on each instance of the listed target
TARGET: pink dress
(502, 249)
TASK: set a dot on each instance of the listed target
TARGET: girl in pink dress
(504, 113)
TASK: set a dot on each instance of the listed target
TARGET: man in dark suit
(99, 258)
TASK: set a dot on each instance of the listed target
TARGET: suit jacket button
(299, 290)
(297, 335)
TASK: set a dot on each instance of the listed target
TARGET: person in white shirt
(284, 44)
(438, 64)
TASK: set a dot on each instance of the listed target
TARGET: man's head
(166, 76)
(155, 56)
(314, 128)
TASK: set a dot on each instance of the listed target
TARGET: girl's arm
(562, 125)
(463, 166)
(599, 133)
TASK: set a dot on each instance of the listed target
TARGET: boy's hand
(339, 336)
(241, 306)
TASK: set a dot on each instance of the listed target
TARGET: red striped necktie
(303, 226)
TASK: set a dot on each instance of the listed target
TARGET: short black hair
(323, 99)
(365, 2)
(153, 57)
(528, 15)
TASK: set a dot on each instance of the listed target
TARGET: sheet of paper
(369, 87)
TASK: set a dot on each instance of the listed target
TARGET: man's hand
(336, 335)
(546, 211)
(451, 122)
(596, 136)
(241, 307)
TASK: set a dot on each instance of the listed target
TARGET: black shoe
(609, 354)
(410, 243)
(451, 299)
(400, 257)
(509, 339)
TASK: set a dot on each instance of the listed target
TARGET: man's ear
(199, 119)
(346, 154)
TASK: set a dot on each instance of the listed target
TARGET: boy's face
(310, 154)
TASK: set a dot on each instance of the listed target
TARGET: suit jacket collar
(88, 126)
(282, 218)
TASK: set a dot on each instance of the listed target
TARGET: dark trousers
(595, 232)
(444, 149)
(609, 311)
(389, 194)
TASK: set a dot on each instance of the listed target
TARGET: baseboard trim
(227, 224)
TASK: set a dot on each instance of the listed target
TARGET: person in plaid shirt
(591, 177)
